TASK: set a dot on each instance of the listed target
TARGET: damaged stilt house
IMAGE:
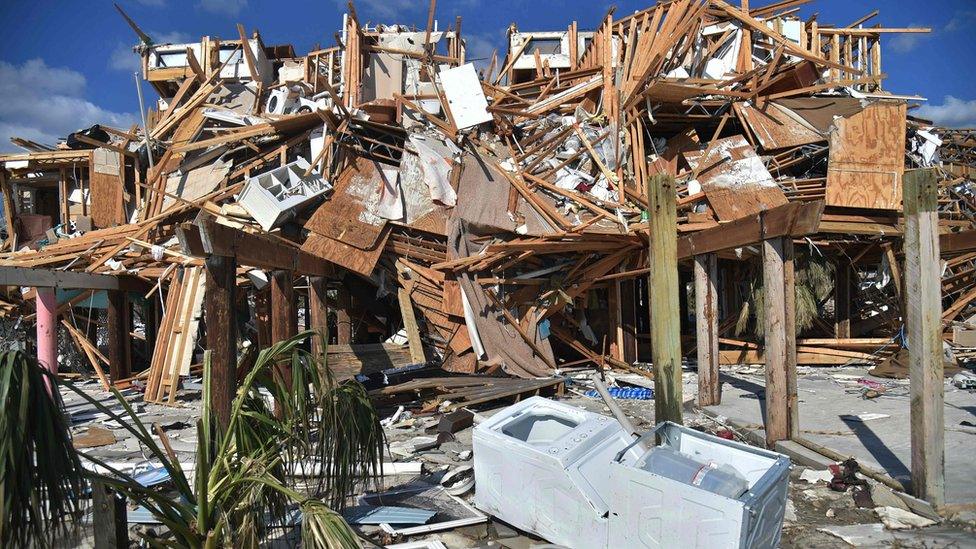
(694, 183)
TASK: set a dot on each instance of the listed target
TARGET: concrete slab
(827, 395)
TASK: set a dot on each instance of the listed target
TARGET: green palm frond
(41, 478)
(242, 484)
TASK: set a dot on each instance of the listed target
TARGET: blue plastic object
(626, 393)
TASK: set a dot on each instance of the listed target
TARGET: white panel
(465, 96)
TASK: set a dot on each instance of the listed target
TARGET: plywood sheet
(105, 189)
(734, 179)
(867, 158)
(358, 260)
(345, 217)
(775, 127)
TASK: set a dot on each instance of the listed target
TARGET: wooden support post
(284, 321)
(221, 285)
(663, 290)
(344, 317)
(706, 320)
(110, 518)
(628, 312)
(923, 322)
(777, 267)
(262, 316)
(842, 299)
(318, 317)
(789, 301)
(119, 321)
(615, 333)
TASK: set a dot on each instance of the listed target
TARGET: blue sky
(67, 64)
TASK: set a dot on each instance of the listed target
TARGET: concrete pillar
(47, 330)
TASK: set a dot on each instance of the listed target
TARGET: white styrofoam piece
(465, 96)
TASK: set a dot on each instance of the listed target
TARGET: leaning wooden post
(777, 348)
(119, 356)
(923, 322)
(318, 303)
(706, 322)
(663, 285)
(284, 321)
(220, 299)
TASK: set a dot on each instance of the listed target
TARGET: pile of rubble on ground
(507, 206)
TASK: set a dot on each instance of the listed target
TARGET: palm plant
(241, 482)
(41, 477)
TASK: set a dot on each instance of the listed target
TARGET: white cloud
(45, 103)
(391, 11)
(225, 7)
(953, 112)
(961, 20)
(907, 41)
(480, 45)
(124, 59)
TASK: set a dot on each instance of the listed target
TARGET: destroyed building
(693, 186)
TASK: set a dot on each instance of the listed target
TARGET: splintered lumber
(177, 335)
(923, 321)
(663, 290)
(464, 391)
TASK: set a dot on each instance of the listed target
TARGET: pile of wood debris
(498, 215)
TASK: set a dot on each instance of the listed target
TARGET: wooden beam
(318, 305)
(794, 219)
(220, 307)
(410, 325)
(119, 326)
(110, 516)
(284, 321)
(252, 66)
(255, 250)
(842, 299)
(706, 321)
(777, 420)
(663, 284)
(344, 317)
(46, 278)
(789, 303)
(923, 322)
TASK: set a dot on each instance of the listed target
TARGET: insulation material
(437, 172)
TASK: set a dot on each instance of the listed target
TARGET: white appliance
(577, 479)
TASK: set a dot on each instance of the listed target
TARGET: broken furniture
(578, 479)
